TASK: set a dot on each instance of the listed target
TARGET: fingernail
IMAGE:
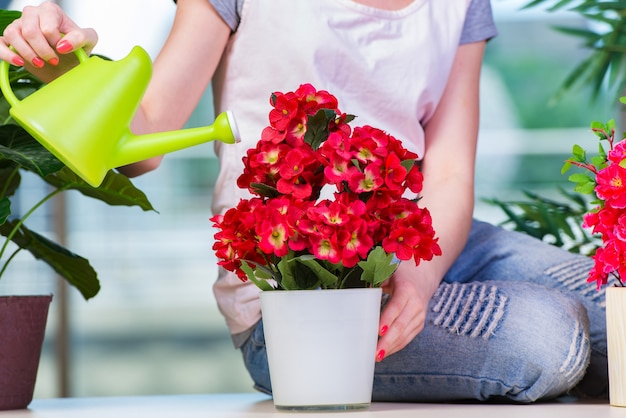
(53, 61)
(18, 61)
(64, 46)
(38, 62)
(380, 356)
(384, 330)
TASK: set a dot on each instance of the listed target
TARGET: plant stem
(6, 263)
(21, 221)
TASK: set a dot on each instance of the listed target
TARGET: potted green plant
(23, 318)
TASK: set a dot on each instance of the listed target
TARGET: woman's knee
(554, 345)
(491, 340)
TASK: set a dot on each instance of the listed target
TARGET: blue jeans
(513, 319)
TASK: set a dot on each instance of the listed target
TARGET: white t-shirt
(389, 68)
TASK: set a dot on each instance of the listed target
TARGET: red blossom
(368, 169)
(607, 175)
(611, 185)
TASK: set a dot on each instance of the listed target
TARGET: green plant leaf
(327, 279)
(264, 190)
(378, 267)
(605, 39)
(566, 166)
(8, 16)
(17, 145)
(318, 129)
(259, 282)
(580, 178)
(585, 188)
(5, 209)
(116, 189)
(558, 223)
(10, 178)
(75, 269)
(296, 275)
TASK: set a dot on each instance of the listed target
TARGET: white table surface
(261, 406)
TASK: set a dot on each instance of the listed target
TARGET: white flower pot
(616, 343)
(321, 347)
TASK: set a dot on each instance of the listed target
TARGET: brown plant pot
(22, 328)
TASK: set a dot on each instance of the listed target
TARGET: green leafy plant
(19, 153)
(605, 36)
(556, 222)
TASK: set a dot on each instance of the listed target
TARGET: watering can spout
(83, 117)
(135, 148)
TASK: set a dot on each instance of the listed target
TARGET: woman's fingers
(42, 34)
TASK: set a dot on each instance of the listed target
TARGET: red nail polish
(384, 330)
(63, 46)
(17, 61)
(38, 62)
(380, 356)
(53, 61)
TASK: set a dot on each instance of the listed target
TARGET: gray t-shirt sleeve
(229, 10)
(479, 24)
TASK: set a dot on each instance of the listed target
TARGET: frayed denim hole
(572, 276)
(575, 364)
(473, 310)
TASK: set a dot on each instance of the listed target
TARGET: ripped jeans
(513, 319)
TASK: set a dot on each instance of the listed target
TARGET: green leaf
(580, 178)
(408, 164)
(598, 160)
(75, 269)
(5, 209)
(318, 127)
(264, 190)
(17, 145)
(6, 17)
(10, 178)
(578, 152)
(585, 188)
(378, 267)
(327, 279)
(550, 220)
(296, 275)
(116, 189)
(595, 125)
(259, 282)
(566, 166)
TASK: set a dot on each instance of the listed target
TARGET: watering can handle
(5, 84)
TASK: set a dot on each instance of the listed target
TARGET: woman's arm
(182, 72)
(448, 193)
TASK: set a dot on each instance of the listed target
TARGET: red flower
(611, 185)
(309, 150)
(606, 177)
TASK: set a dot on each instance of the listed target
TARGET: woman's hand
(41, 40)
(404, 314)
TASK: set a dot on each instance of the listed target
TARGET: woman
(499, 314)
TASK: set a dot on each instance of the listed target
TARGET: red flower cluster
(608, 218)
(308, 150)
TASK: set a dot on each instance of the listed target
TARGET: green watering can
(83, 117)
